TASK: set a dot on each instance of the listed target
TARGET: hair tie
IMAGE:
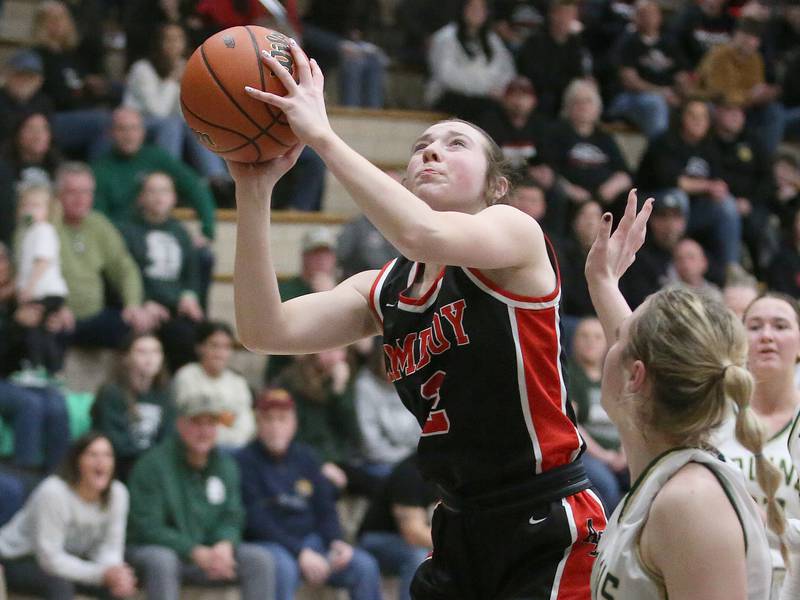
(724, 370)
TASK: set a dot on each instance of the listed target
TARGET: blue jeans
(40, 422)
(361, 578)
(12, 497)
(173, 135)
(720, 222)
(395, 557)
(105, 329)
(604, 482)
(83, 131)
(302, 187)
(649, 111)
(770, 120)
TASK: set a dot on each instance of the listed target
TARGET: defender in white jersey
(689, 528)
(772, 322)
(619, 571)
(791, 586)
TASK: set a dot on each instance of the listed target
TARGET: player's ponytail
(738, 386)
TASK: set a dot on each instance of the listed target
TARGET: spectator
(12, 496)
(691, 266)
(529, 197)
(30, 151)
(70, 535)
(572, 252)
(21, 92)
(187, 515)
(520, 132)
(168, 260)
(700, 26)
(469, 64)
(38, 417)
(745, 167)
(785, 197)
(119, 173)
(783, 274)
(604, 459)
(397, 527)
(388, 431)
(335, 33)
(212, 376)
(135, 409)
(321, 386)
(652, 71)
(11, 346)
(417, 21)
(39, 279)
(687, 158)
(516, 20)
(303, 186)
(317, 273)
(153, 88)
(74, 81)
(654, 267)
(560, 43)
(738, 293)
(736, 70)
(8, 204)
(92, 254)
(291, 508)
(587, 159)
(140, 18)
(360, 247)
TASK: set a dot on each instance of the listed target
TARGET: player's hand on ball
(611, 255)
(304, 102)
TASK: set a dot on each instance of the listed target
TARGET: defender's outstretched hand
(304, 102)
(612, 254)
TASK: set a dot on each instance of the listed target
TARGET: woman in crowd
(31, 152)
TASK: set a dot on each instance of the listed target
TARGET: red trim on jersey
(575, 578)
(424, 298)
(372, 288)
(518, 297)
(557, 435)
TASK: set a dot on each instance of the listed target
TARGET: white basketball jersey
(793, 445)
(618, 572)
(777, 451)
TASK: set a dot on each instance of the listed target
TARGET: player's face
(616, 371)
(448, 167)
(773, 336)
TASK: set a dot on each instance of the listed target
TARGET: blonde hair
(26, 189)
(54, 9)
(573, 89)
(695, 352)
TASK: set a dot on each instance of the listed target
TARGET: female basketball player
(688, 528)
(469, 317)
(773, 330)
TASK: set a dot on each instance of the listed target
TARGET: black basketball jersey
(481, 369)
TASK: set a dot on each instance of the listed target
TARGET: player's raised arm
(265, 324)
(433, 230)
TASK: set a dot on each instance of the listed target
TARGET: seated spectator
(604, 459)
(187, 516)
(140, 18)
(30, 151)
(93, 254)
(211, 376)
(74, 81)
(317, 273)
(291, 508)
(783, 273)
(12, 347)
(168, 260)
(397, 527)
(12, 496)
(119, 173)
(8, 204)
(470, 66)
(70, 535)
(785, 196)
(745, 167)
(516, 20)
(736, 69)
(529, 197)
(321, 387)
(587, 159)
(687, 158)
(361, 247)
(652, 72)
(39, 279)
(135, 409)
(691, 266)
(738, 293)
(303, 186)
(417, 21)
(21, 91)
(388, 431)
(654, 266)
(38, 417)
(335, 32)
(699, 26)
(559, 43)
(153, 88)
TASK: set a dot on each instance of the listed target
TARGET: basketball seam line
(257, 49)
(249, 140)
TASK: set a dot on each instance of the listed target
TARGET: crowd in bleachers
(216, 482)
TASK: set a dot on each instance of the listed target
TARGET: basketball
(223, 117)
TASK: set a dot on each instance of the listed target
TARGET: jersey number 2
(437, 423)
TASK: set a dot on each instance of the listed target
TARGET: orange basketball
(223, 117)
